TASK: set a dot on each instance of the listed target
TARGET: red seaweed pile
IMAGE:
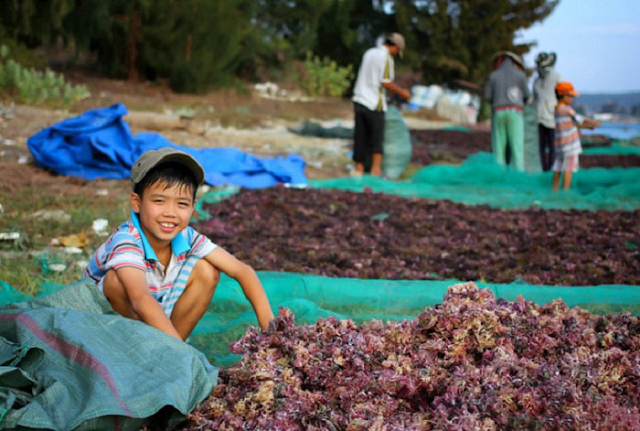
(376, 236)
(472, 363)
(449, 146)
(593, 140)
(453, 146)
(609, 161)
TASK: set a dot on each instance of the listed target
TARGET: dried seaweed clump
(471, 363)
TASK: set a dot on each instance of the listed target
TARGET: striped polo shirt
(128, 247)
(567, 136)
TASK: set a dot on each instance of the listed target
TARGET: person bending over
(375, 77)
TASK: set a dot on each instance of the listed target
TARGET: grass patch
(26, 272)
(39, 216)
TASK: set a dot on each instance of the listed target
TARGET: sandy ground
(325, 157)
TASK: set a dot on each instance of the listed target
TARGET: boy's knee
(116, 294)
(206, 273)
(112, 285)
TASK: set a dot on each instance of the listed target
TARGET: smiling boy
(156, 268)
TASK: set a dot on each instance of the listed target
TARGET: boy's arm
(589, 123)
(248, 280)
(145, 306)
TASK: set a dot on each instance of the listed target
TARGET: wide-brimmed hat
(398, 40)
(512, 55)
(546, 59)
(566, 88)
(153, 158)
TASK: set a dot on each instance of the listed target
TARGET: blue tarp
(99, 144)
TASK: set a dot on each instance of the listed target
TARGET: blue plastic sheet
(99, 144)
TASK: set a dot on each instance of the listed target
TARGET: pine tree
(199, 46)
(197, 43)
(452, 39)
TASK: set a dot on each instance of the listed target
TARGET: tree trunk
(189, 47)
(132, 53)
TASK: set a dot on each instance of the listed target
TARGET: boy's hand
(590, 123)
(248, 280)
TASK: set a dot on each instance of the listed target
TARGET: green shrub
(34, 87)
(323, 77)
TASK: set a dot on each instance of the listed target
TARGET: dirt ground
(224, 119)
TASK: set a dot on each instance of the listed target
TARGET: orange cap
(564, 88)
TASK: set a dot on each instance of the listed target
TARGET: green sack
(531, 146)
(396, 145)
(69, 362)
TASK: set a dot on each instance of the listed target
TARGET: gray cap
(153, 158)
(398, 40)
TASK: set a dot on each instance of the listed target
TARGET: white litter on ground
(99, 226)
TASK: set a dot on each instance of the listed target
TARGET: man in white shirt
(375, 76)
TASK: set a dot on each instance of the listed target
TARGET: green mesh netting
(311, 297)
(480, 180)
(459, 129)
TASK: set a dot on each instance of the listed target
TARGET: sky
(597, 43)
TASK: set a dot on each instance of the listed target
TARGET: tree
(31, 22)
(199, 46)
(348, 28)
(455, 39)
(193, 44)
(198, 43)
(109, 30)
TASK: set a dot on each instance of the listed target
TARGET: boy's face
(163, 211)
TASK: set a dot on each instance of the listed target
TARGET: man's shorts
(368, 134)
(565, 162)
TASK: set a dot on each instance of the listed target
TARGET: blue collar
(179, 244)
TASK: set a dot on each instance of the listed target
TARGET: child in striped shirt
(567, 136)
(155, 267)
